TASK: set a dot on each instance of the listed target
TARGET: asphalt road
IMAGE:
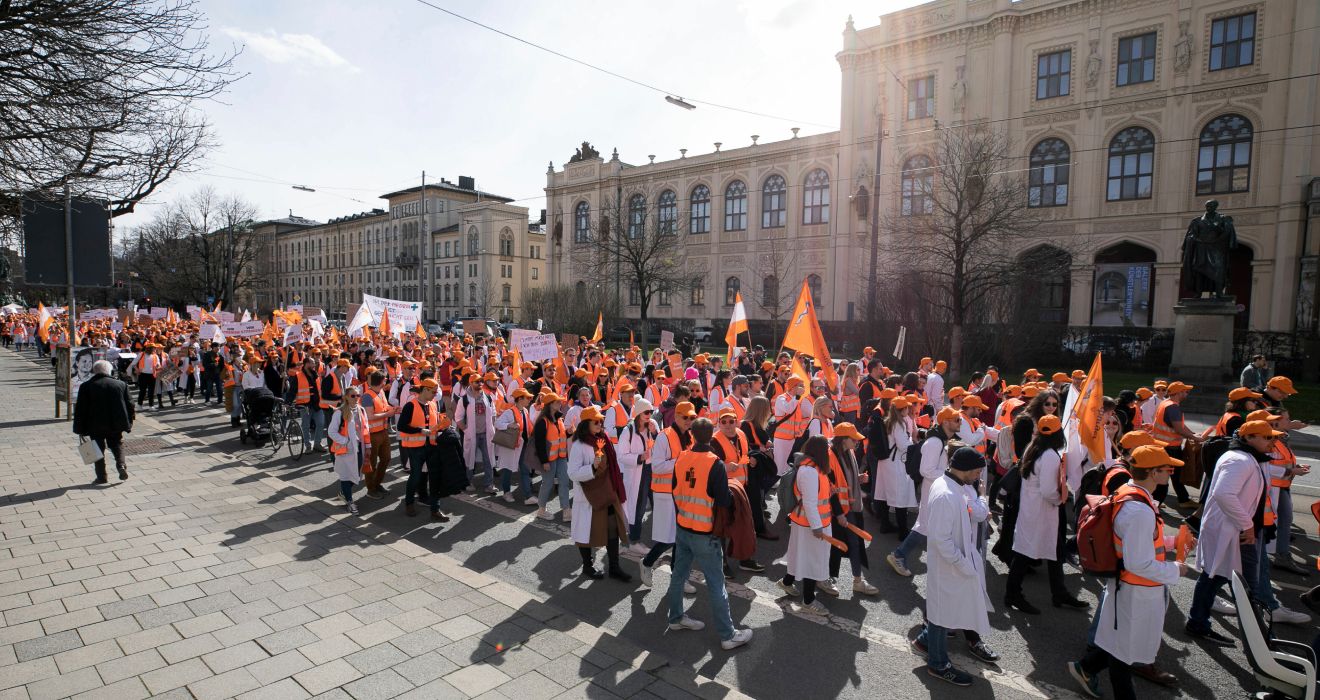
(860, 651)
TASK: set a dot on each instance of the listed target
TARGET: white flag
(361, 319)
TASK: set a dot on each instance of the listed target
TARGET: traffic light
(119, 284)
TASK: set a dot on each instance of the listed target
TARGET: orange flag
(804, 334)
(385, 322)
(600, 328)
(1089, 410)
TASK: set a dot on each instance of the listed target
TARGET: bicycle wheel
(294, 439)
(274, 434)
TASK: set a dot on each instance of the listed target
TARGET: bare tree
(777, 281)
(101, 94)
(640, 239)
(963, 220)
(568, 308)
(481, 296)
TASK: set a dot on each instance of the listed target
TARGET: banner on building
(1122, 294)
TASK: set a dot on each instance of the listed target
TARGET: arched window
(1049, 174)
(770, 291)
(774, 202)
(698, 291)
(731, 287)
(668, 212)
(735, 206)
(663, 296)
(1224, 164)
(636, 216)
(581, 222)
(581, 290)
(506, 243)
(816, 198)
(474, 241)
(814, 284)
(1131, 164)
(863, 201)
(918, 186)
(700, 217)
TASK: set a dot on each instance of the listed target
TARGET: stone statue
(1093, 65)
(1205, 251)
(960, 89)
(584, 153)
(1182, 58)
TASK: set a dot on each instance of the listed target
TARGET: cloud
(299, 50)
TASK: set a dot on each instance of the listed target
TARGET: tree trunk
(955, 353)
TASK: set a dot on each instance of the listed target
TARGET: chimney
(466, 182)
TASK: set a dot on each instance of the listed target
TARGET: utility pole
(423, 242)
(871, 311)
(71, 309)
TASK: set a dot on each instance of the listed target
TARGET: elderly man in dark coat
(104, 412)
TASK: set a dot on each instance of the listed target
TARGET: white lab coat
(1140, 609)
(348, 466)
(899, 489)
(632, 445)
(956, 596)
(581, 455)
(934, 460)
(808, 557)
(506, 458)
(785, 406)
(1037, 530)
(465, 413)
(664, 519)
(1148, 410)
(935, 390)
(571, 416)
(1235, 493)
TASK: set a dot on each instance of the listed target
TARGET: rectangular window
(1053, 74)
(1136, 59)
(921, 98)
(1232, 41)
(534, 275)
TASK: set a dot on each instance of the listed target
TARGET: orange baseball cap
(685, 409)
(1013, 390)
(940, 365)
(947, 413)
(1030, 392)
(1144, 393)
(1133, 439)
(1078, 374)
(973, 402)
(1258, 427)
(1060, 377)
(1262, 415)
(1152, 457)
(956, 392)
(591, 413)
(1048, 425)
(899, 403)
(1283, 384)
(1031, 373)
(792, 382)
(848, 430)
(888, 394)
(925, 361)
(730, 413)
(1242, 393)
(429, 384)
(1179, 386)
(521, 393)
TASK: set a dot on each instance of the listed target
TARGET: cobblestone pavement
(201, 578)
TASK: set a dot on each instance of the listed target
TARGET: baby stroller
(258, 407)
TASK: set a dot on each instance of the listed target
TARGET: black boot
(1012, 600)
(882, 512)
(612, 556)
(588, 564)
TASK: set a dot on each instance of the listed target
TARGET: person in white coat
(899, 488)
(1236, 515)
(634, 450)
(475, 416)
(1040, 527)
(350, 443)
(808, 555)
(956, 596)
(1131, 617)
(509, 459)
(593, 526)
(934, 459)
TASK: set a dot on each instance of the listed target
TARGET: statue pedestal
(1203, 351)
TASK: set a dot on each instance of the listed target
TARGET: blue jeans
(1203, 597)
(524, 479)
(209, 381)
(914, 539)
(706, 550)
(1256, 561)
(1284, 508)
(639, 508)
(312, 415)
(416, 459)
(482, 457)
(558, 470)
(936, 641)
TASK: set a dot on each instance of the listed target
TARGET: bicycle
(285, 428)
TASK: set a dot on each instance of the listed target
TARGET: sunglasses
(1051, 403)
(728, 422)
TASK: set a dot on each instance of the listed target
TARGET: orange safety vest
(826, 428)
(556, 439)
(429, 420)
(657, 392)
(1104, 479)
(304, 393)
(736, 455)
(621, 419)
(792, 424)
(230, 375)
(822, 498)
(338, 389)
(738, 409)
(850, 403)
(695, 508)
(1005, 418)
(1163, 431)
(664, 483)
(976, 425)
(1283, 457)
(1221, 427)
(142, 363)
(841, 483)
(336, 448)
(381, 407)
(1129, 493)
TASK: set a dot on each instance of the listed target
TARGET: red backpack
(1095, 535)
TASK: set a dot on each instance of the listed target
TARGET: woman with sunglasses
(634, 449)
(350, 443)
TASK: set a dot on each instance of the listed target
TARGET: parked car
(455, 325)
(702, 334)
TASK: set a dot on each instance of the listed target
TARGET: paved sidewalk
(202, 578)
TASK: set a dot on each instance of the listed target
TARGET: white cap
(641, 406)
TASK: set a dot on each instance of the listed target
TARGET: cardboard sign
(296, 308)
(539, 348)
(474, 326)
(194, 312)
(225, 316)
(159, 312)
(351, 311)
(116, 326)
(666, 340)
(309, 311)
(569, 340)
(208, 331)
(243, 329)
(517, 335)
(292, 334)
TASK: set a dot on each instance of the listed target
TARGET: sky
(357, 99)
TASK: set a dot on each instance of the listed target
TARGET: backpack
(912, 461)
(1211, 450)
(788, 499)
(1095, 535)
(1004, 456)
(877, 439)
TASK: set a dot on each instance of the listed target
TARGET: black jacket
(103, 407)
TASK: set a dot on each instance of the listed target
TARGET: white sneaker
(861, 585)
(1223, 606)
(568, 515)
(740, 637)
(469, 488)
(687, 623)
(1291, 617)
(491, 489)
(544, 515)
(530, 501)
(816, 608)
(899, 565)
(688, 588)
(639, 548)
(508, 498)
(827, 586)
(791, 590)
(645, 572)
